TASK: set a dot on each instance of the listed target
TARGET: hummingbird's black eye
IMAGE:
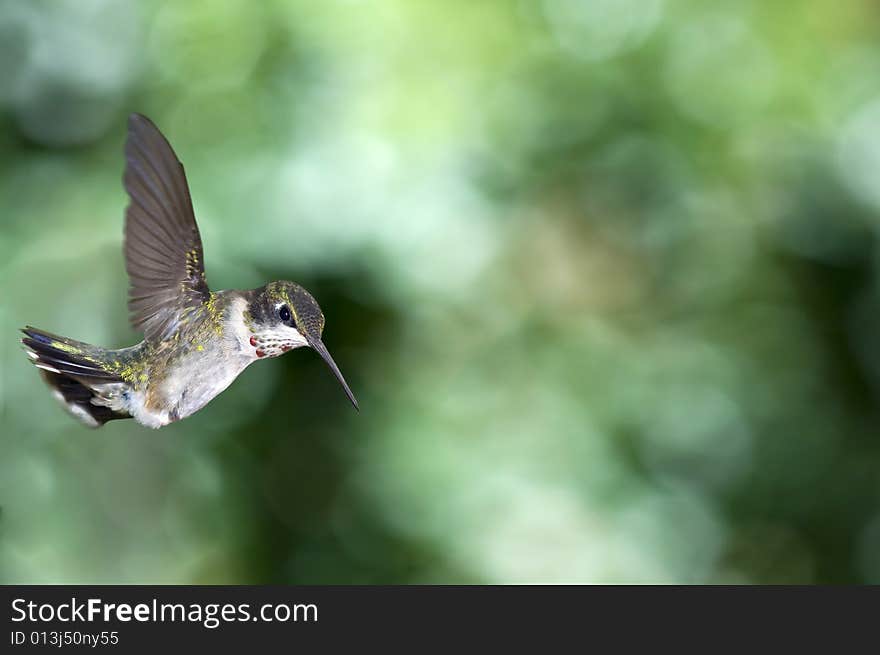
(284, 313)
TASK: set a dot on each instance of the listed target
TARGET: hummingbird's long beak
(321, 349)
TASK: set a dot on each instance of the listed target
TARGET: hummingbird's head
(284, 316)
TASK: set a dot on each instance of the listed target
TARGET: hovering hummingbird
(196, 341)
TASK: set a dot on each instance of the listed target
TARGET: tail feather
(76, 373)
(66, 356)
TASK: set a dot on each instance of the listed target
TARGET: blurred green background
(602, 274)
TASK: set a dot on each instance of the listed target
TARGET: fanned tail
(76, 373)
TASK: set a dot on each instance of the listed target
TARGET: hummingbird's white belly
(213, 376)
(188, 388)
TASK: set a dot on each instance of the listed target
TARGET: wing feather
(163, 248)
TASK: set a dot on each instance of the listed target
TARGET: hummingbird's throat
(273, 344)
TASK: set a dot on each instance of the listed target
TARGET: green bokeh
(602, 274)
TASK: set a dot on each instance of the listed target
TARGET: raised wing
(163, 249)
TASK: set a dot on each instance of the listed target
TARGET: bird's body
(172, 379)
(181, 376)
(196, 341)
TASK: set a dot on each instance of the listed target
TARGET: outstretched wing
(163, 249)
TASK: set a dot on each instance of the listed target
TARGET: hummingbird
(196, 341)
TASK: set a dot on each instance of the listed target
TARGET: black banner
(146, 618)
